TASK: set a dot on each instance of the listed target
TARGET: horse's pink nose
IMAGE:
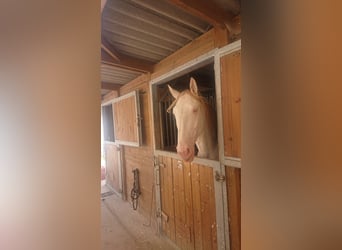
(185, 152)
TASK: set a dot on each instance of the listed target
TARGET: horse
(196, 124)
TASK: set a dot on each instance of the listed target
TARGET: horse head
(190, 114)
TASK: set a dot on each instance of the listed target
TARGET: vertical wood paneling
(188, 207)
(212, 207)
(188, 191)
(112, 167)
(205, 210)
(167, 198)
(208, 213)
(141, 158)
(196, 199)
(164, 198)
(179, 199)
(234, 206)
(231, 103)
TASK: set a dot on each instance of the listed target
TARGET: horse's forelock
(199, 98)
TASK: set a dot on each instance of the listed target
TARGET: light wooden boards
(231, 103)
(233, 176)
(188, 204)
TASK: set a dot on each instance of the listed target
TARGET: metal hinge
(139, 119)
(156, 171)
(158, 213)
(164, 216)
(219, 177)
(155, 161)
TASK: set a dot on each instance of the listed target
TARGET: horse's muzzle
(187, 153)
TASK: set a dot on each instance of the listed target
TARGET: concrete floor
(124, 228)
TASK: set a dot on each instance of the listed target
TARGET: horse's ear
(173, 92)
(193, 86)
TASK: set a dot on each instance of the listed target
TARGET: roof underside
(143, 32)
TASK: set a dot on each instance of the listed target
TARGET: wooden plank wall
(110, 96)
(188, 204)
(231, 108)
(112, 167)
(214, 38)
(234, 204)
(141, 157)
(231, 103)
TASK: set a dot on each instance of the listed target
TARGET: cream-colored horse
(196, 124)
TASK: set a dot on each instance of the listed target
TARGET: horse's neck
(207, 140)
(206, 147)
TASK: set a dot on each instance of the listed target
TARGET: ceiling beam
(109, 52)
(109, 49)
(206, 10)
(127, 62)
(110, 86)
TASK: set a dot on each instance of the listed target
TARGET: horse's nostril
(183, 150)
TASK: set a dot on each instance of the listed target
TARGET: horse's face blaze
(189, 121)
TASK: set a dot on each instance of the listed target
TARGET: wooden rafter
(209, 11)
(127, 63)
(206, 10)
(110, 86)
(110, 50)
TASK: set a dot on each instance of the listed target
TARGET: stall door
(191, 206)
(113, 167)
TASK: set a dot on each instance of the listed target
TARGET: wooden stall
(195, 205)
(188, 231)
